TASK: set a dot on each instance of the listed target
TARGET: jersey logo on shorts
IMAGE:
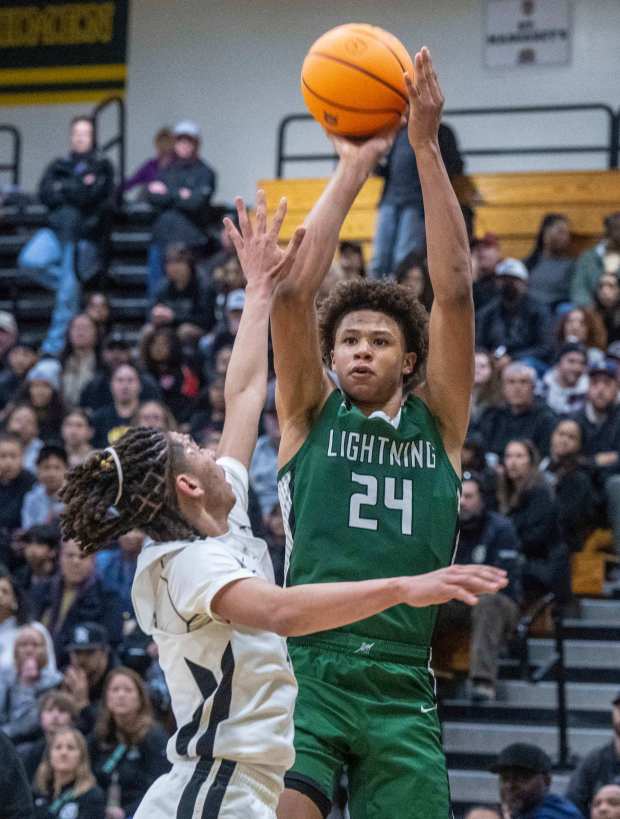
(426, 710)
(364, 648)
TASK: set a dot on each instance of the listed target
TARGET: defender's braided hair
(147, 458)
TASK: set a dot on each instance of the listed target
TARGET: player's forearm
(446, 235)
(322, 606)
(247, 370)
(323, 226)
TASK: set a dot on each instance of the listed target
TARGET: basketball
(352, 80)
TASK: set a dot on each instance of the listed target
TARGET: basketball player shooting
(369, 482)
(205, 589)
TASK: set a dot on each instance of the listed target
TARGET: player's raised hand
(263, 261)
(425, 101)
(465, 583)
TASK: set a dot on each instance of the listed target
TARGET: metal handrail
(14, 166)
(117, 141)
(611, 148)
(555, 665)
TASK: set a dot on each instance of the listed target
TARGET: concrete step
(484, 739)
(584, 696)
(579, 653)
(602, 611)
(482, 788)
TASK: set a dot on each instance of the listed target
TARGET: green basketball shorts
(368, 705)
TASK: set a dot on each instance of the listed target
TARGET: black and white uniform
(232, 688)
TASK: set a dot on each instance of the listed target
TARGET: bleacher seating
(513, 205)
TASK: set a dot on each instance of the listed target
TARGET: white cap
(235, 300)
(514, 268)
(187, 128)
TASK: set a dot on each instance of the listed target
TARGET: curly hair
(386, 297)
(93, 515)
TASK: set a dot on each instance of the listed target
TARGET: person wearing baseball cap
(524, 782)
(486, 254)
(514, 325)
(565, 385)
(180, 194)
(598, 768)
(8, 332)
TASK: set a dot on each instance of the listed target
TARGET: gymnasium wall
(234, 67)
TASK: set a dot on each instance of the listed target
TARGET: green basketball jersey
(364, 498)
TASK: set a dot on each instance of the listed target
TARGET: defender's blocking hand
(262, 260)
(425, 102)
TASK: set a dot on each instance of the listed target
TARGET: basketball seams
(379, 39)
(364, 71)
(342, 107)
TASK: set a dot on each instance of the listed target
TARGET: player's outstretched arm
(264, 265)
(450, 368)
(302, 383)
(318, 607)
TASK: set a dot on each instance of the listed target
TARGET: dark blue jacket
(553, 807)
(492, 539)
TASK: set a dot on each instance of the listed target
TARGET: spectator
(550, 264)
(64, 779)
(56, 711)
(583, 326)
(42, 506)
(77, 434)
(487, 389)
(80, 359)
(116, 350)
(15, 483)
(112, 421)
(161, 354)
(40, 549)
(74, 596)
(15, 794)
(23, 421)
(513, 324)
(489, 538)
(226, 277)
(600, 426)
(351, 260)
(264, 466)
(600, 767)
(520, 416)
(21, 686)
(209, 409)
(590, 266)
(224, 334)
(400, 223)
(607, 305)
(163, 142)
(524, 785)
(573, 483)
(128, 748)
(117, 567)
(91, 660)
(565, 385)
(524, 497)
(156, 415)
(486, 254)
(606, 803)
(180, 194)
(180, 298)
(412, 272)
(98, 308)
(473, 459)
(19, 360)
(14, 613)
(42, 391)
(483, 813)
(77, 191)
(8, 334)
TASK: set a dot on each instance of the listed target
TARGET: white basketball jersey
(232, 687)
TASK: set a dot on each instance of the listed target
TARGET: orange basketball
(352, 80)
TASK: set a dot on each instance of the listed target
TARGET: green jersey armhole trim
(336, 395)
(444, 454)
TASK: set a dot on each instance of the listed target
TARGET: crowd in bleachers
(82, 696)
